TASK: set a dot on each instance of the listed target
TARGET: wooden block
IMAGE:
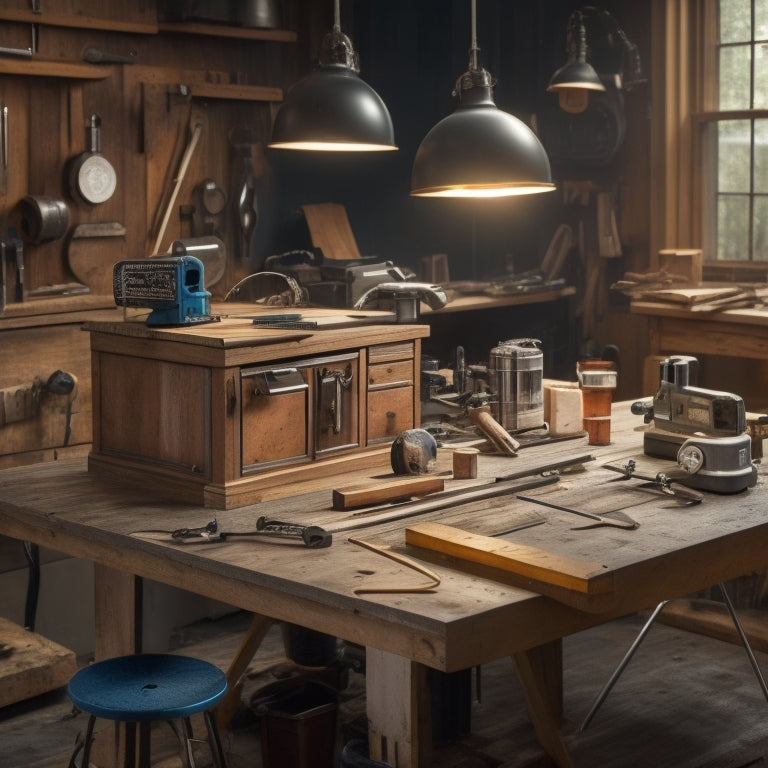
(365, 494)
(434, 269)
(687, 263)
(563, 409)
(534, 566)
(33, 665)
(598, 429)
(465, 463)
(330, 231)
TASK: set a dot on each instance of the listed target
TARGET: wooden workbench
(676, 328)
(466, 621)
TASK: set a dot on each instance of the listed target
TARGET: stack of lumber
(704, 298)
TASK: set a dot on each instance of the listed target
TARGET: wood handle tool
(482, 418)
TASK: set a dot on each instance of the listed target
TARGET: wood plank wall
(226, 79)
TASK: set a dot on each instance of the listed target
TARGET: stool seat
(140, 689)
(149, 686)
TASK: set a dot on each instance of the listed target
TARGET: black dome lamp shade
(479, 150)
(577, 77)
(332, 109)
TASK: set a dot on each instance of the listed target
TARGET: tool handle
(491, 428)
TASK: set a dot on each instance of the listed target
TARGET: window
(735, 135)
(710, 133)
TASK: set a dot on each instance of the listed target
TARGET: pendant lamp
(478, 150)
(332, 109)
(577, 77)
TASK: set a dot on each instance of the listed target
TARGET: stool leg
(85, 747)
(187, 737)
(145, 747)
(214, 741)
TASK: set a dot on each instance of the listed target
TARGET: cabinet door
(274, 416)
(336, 412)
(390, 411)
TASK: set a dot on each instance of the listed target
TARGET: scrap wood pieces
(674, 290)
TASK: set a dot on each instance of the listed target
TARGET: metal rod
(473, 50)
(641, 636)
(622, 666)
(561, 508)
(744, 641)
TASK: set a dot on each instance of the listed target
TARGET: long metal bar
(438, 501)
(627, 522)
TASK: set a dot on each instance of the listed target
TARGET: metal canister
(516, 370)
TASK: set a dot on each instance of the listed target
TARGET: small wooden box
(687, 264)
(226, 414)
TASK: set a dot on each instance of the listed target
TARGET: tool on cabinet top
(328, 265)
(173, 288)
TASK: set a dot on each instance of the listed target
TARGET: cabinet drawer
(390, 411)
(383, 353)
(390, 374)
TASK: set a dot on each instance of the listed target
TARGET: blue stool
(144, 688)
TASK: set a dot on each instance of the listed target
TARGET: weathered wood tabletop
(466, 620)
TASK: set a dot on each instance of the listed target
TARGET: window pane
(733, 227)
(735, 77)
(761, 19)
(760, 238)
(760, 99)
(735, 21)
(733, 156)
(761, 156)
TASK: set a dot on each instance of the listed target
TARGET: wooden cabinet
(391, 390)
(225, 414)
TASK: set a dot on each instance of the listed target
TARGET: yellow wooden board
(537, 567)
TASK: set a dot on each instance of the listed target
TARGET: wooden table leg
(117, 613)
(399, 711)
(118, 621)
(256, 633)
(540, 672)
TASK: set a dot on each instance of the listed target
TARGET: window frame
(684, 33)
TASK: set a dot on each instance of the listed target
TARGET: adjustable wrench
(313, 536)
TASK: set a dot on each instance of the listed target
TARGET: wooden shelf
(216, 30)
(477, 302)
(78, 21)
(234, 91)
(53, 68)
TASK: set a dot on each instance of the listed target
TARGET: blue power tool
(173, 288)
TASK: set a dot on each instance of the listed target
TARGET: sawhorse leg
(540, 671)
(255, 635)
(641, 636)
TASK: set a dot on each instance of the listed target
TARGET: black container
(297, 724)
